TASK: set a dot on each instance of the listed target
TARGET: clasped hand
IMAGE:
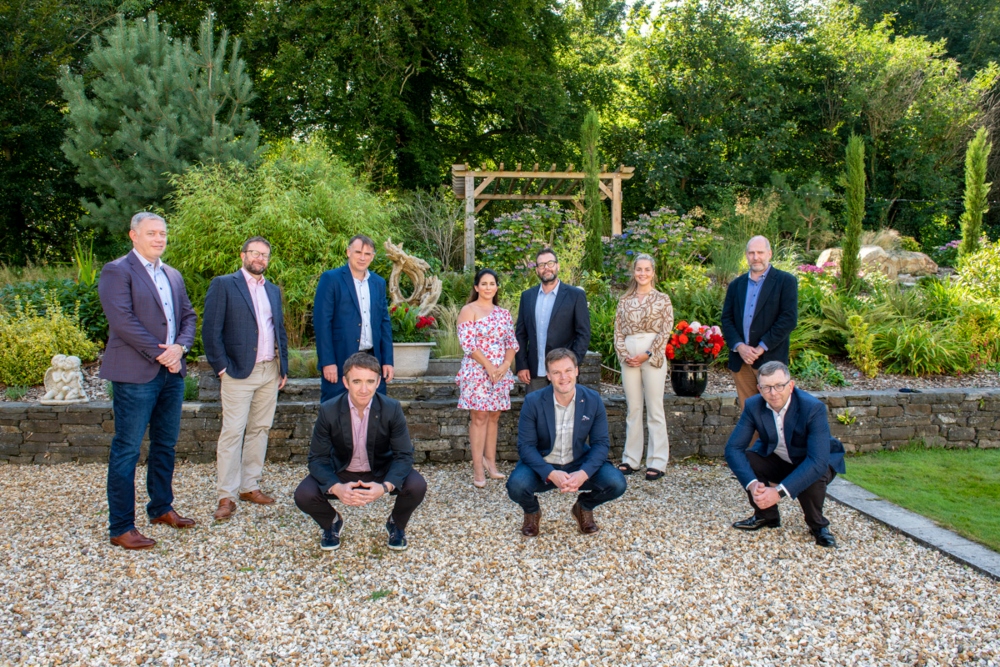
(495, 373)
(568, 482)
(171, 357)
(764, 496)
(357, 494)
(748, 354)
(637, 360)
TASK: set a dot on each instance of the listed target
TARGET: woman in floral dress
(486, 332)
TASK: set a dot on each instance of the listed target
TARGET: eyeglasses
(548, 265)
(256, 254)
(772, 388)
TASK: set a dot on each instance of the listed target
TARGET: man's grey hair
(772, 367)
(144, 215)
(767, 243)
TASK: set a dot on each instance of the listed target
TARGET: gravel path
(666, 582)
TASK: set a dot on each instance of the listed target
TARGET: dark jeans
(156, 403)
(770, 469)
(313, 500)
(606, 484)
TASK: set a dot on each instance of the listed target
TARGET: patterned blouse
(654, 314)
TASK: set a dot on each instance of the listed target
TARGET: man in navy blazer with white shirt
(795, 456)
(350, 315)
(246, 345)
(562, 439)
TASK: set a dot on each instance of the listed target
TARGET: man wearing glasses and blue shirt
(795, 456)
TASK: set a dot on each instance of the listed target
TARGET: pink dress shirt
(265, 319)
(359, 425)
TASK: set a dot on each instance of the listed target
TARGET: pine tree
(154, 106)
(593, 216)
(855, 196)
(976, 191)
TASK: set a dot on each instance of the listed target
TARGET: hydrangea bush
(673, 240)
(514, 239)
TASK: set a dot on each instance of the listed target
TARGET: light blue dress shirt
(365, 302)
(750, 305)
(543, 315)
(162, 283)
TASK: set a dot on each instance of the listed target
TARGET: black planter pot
(688, 378)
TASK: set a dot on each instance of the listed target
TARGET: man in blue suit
(350, 315)
(795, 456)
(562, 439)
(245, 343)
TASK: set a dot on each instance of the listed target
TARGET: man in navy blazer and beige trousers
(562, 439)
(151, 326)
(245, 343)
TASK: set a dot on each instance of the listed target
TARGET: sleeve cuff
(752, 482)
(761, 343)
(782, 488)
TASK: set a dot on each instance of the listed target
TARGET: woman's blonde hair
(632, 284)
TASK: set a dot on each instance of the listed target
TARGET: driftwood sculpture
(426, 289)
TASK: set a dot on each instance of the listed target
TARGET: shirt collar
(784, 409)
(564, 407)
(251, 278)
(762, 276)
(145, 262)
(367, 273)
(542, 292)
(355, 410)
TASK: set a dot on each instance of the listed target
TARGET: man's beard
(550, 280)
(250, 269)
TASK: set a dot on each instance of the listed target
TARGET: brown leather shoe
(133, 539)
(174, 519)
(530, 526)
(226, 509)
(584, 519)
(256, 496)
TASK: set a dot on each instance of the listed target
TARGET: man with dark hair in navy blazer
(350, 315)
(151, 327)
(795, 456)
(760, 311)
(245, 343)
(562, 439)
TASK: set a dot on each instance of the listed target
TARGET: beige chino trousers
(645, 385)
(247, 414)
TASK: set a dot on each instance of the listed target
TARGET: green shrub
(190, 388)
(813, 369)
(446, 335)
(16, 392)
(78, 300)
(29, 340)
(980, 272)
(676, 241)
(511, 242)
(455, 287)
(861, 346)
(302, 363)
(921, 350)
(602, 329)
(302, 199)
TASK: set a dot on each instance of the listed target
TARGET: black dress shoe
(753, 523)
(824, 537)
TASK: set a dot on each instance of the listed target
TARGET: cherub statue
(64, 382)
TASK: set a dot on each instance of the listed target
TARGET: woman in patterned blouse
(643, 323)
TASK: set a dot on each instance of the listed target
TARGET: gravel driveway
(666, 582)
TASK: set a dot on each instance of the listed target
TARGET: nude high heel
(492, 471)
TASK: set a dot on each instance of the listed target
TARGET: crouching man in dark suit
(794, 457)
(360, 451)
(562, 439)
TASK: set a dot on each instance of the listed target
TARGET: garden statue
(64, 382)
(426, 290)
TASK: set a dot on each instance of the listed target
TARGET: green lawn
(958, 488)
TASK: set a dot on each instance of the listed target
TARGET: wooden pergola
(530, 185)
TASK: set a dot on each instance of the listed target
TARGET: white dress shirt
(365, 302)
(166, 295)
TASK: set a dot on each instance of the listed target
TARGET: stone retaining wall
(30, 433)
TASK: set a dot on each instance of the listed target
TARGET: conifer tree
(976, 191)
(855, 200)
(154, 106)
(593, 216)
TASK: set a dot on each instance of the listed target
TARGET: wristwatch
(384, 487)
(649, 353)
(185, 348)
(781, 492)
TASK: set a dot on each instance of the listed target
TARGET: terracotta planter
(411, 359)
(688, 378)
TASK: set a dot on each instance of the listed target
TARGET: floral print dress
(492, 335)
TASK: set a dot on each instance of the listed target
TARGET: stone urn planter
(688, 378)
(410, 359)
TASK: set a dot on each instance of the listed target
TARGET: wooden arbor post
(551, 185)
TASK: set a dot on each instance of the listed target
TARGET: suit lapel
(529, 314)
(550, 418)
(274, 298)
(767, 418)
(346, 427)
(789, 423)
(139, 270)
(374, 419)
(241, 287)
(764, 293)
(742, 284)
(578, 415)
(348, 279)
(561, 296)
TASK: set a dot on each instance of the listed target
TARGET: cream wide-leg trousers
(645, 384)
(247, 414)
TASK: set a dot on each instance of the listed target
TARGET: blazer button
(254, 348)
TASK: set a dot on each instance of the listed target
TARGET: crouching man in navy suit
(794, 457)
(562, 439)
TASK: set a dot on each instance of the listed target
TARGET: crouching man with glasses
(795, 456)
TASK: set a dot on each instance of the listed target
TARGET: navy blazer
(569, 326)
(136, 323)
(774, 318)
(390, 452)
(807, 437)
(229, 326)
(536, 431)
(337, 322)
